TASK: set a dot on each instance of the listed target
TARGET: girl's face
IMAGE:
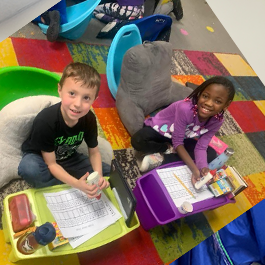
(211, 101)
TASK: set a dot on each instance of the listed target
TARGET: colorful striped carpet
(244, 130)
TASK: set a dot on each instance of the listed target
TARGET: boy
(49, 154)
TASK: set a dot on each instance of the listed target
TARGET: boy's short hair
(84, 73)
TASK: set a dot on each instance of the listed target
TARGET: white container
(203, 181)
(93, 179)
(186, 207)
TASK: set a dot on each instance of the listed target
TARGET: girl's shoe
(170, 149)
(151, 161)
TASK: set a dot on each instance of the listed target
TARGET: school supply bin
(43, 215)
(156, 207)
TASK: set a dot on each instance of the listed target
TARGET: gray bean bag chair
(146, 84)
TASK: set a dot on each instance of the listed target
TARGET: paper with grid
(77, 215)
(176, 190)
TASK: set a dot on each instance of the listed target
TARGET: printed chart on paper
(77, 215)
(176, 190)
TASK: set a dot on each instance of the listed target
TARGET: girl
(170, 135)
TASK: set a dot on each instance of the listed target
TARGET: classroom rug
(243, 130)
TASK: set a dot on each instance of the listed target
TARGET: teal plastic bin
(127, 37)
(78, 17)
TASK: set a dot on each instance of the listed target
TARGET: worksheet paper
(176, 190)
(77, 215)
(77, 241)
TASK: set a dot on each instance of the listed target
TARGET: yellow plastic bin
(43, 215)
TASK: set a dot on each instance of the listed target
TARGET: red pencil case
(21, 214)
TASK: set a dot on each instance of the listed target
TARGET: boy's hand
(91, 190)
(103, 183)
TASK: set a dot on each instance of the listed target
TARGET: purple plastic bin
(154, 205)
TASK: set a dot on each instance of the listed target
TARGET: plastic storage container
(154, 205)
(26, 81)
(20, 211)
(43, 215)
(127, 37)
(78, 16)
(31, 242)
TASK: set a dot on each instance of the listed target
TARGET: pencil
(184, 186)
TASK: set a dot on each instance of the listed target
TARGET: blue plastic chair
(150, 27)
(127, 37)
(78, 17)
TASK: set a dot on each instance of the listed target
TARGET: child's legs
(190, 145)
(148, 140)
(113, 11)
(79, 164)
(37, 20)
(61, 7)
(34, 170)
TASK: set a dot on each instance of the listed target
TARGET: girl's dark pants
(149, 141)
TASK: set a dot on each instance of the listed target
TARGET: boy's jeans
(34, 170)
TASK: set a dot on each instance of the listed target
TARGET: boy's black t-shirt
(50, 133)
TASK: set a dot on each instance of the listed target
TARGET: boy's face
(76, 100)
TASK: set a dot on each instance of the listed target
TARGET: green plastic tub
(22, 81)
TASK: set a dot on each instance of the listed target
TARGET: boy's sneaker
(54, 26)
(151, 161)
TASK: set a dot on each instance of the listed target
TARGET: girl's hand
(196, 175)
(205, 171)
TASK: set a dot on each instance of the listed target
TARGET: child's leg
(148, 140)
(37, 20)
(61, 7)
(45, 19)
(54, 25)
(113, 11)
(79, 164)
(34, 170)
(190, 145)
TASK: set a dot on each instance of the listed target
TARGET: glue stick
(203, 181)
(93, 179)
